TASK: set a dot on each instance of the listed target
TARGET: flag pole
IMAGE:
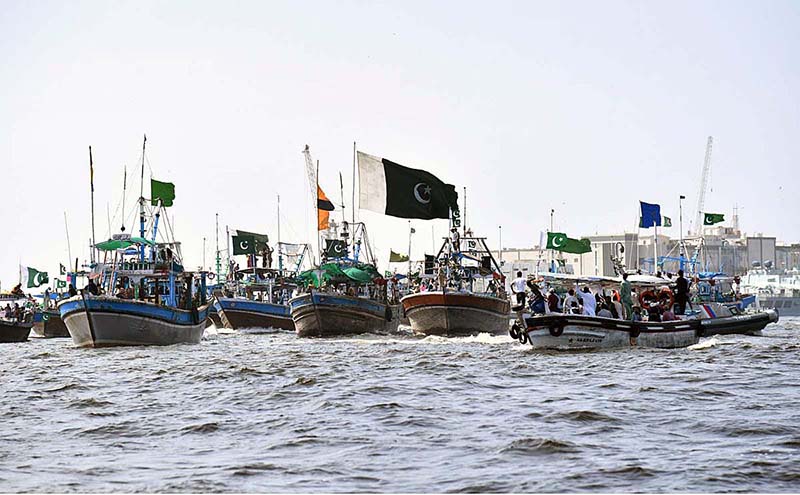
(141, 201)
(91, 183)
(464, 229)
(280, 256)
(354, 183)
(319, 239)
(410, 230)
(66, 228)
(216, 233)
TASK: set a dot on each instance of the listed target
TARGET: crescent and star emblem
(559, 241)
(244, 245)
(337, 248)
(422, 193)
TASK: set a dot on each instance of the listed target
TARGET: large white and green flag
(31, 277)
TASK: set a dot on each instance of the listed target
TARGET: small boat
(580, 332)
(14, 331)
(723, 319)
(466, 305)
(47, 323)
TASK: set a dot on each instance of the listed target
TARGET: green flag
(667, 222)
(165, 191)
(243, 244)
(560, 242)
(32, 277)
(397, 257)
(62, 270)
(712, 218)
(61, 284)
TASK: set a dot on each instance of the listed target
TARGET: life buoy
(210, 276)
(665, 295)
(646, 298)
(556, 330)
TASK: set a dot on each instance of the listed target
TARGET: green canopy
(333, 272)
(114, 244)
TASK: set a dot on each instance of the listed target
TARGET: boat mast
(141, 202)
(217, 240)
(280, 255)
(91, 181)
(69, 249)
(319, 239)
(124, 189)
(354, 183)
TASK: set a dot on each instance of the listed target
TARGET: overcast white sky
(585, 107)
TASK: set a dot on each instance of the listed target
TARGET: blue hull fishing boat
(142, 296)
(243, 313)
(322, 314)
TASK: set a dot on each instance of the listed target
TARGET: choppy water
(244, 413)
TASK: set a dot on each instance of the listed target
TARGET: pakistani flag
(243, 244)
(398, 191)
(667, 222)
(165, 191)
(560, 242)
(62, 270)
(397, 257)
(335, 248)
(32, 277)
(712, 218)
(61, 284)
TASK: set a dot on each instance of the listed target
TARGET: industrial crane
(701, 197)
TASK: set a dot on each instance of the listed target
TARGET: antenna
(701, 197)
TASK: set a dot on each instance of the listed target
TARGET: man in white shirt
(589, 302)
(518, 289)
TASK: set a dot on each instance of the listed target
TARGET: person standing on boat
(681, 293)
(518, 289)
(625, 295)
(589, 302)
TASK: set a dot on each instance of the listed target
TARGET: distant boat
(259, 302)
(48, 323)
(14, 331)
(324, 314)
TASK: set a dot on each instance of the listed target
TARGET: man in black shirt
(681, 293)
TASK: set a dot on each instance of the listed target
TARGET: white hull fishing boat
(143, 295)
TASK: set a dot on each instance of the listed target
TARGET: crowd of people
(622, 303)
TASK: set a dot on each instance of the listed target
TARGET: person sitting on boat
(569, 300)
(72, 291)
(604, 312)
(668, 315)
(553, 301)
(92, 288)
(537, 299)
(17, 290)
(636, 314)
(608, 303)
(654, 312)
(681, 293)
(589, 303)
(518, 289)
(7, 312)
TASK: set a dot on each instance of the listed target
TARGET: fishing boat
(47, 323)
(15, 327)
(463, 303)
(345, 295)
(139, 294)
(260, 300)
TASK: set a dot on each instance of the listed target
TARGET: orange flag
(324, 207)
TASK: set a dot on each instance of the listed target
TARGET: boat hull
(328, 315)
(11, 332)
(786, 305)
(746, 324)
(456, 314)
(116, 322)
(579, 332)
(243, 313)
(49, 324)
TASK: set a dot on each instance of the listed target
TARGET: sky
(581, 107)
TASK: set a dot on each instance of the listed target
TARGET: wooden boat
(48, 324)
(154, 302)
(14, 331)
(453, 313)
(258, 293)
(244, 313)
(320, 314)
(463, 304)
